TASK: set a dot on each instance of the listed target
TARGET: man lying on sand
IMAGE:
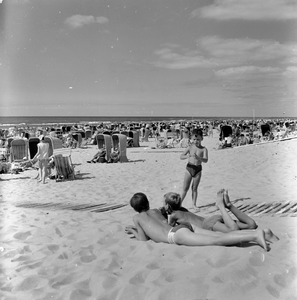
(176, 214)
(149, 225)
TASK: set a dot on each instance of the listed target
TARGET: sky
(194, 58)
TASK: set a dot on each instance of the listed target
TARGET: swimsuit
(208, 223)
(173, 230)
(193, 169)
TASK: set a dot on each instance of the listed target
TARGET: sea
(44, 120)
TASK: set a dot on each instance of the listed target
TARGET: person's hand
(168, 209)
(131, 230)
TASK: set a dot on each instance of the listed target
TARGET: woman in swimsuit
(42, 156)
(196, 155)
(147, 226)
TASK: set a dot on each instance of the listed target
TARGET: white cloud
(18, 1)
(77, 21)
(102, 20)
(250, 71)
(291, 72)
(249, 10)
(215, 52)
(185, 60)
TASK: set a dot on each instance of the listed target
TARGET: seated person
(148, 226)
(243, 140)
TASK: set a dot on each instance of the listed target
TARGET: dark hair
(173, 199)
(199, 132)
(140, 202)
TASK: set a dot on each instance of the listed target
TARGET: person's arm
(137, 231)
(204, 158)
(205, 155)
(185, 155)
(172, 218)
(37, 154)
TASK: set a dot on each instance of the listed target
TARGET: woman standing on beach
(196, 155)
(42, 156)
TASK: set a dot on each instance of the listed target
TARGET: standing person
(196, 155)
(42, 156)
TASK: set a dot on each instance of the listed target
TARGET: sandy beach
(51, 251)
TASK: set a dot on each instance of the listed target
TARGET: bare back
(182, 217)
(156, 213)
(151, 227)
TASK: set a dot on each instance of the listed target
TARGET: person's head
(41, 137)
(139, 202)
(197, 137)
(172, 199)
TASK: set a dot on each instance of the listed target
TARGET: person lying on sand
(176, 214)
(147, 226)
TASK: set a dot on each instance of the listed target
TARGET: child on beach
(176, 214)
(42, 156)
(147, 226)
(196, 155)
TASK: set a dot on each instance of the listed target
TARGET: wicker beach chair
(32, 144)
(78, 137)
(19, 150)
(119, 142)
(134, 134)
(104, 141)
(63, 165)
(54, 143)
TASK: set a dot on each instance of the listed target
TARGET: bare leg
(189, 238)
(195, 184)
(186, 186)
(245, 222)
(39, 172)
(228, 221)
(43, 171)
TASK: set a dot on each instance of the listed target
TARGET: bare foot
(196, 209)
(260, 239)
(270, 236)
(227, 199)
(220, 198)
(39, 180)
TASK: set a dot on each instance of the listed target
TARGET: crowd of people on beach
(167, 134)
(172, 223)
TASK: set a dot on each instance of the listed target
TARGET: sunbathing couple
(174, 224)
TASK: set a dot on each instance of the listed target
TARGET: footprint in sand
(28, 284)
(86, 256)
(53, 248)
(22, 235)
(256, 258)
(286, 278)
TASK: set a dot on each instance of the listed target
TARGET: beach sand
(53, 253)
